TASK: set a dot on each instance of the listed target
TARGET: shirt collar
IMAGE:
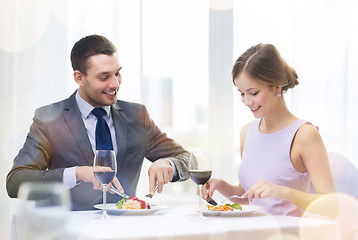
(86, 108)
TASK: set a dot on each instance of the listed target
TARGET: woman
(280, 153)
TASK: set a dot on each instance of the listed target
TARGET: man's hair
(87, 47)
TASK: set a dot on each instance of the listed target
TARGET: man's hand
(160, 173)
(85, 174)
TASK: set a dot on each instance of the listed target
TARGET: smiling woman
(291, 152)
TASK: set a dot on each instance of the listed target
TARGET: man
(62, 139)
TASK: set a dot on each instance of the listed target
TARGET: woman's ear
(278, 89)
(78, 76)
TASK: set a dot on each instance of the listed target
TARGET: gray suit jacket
(58, 140)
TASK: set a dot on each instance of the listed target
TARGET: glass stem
(104, 199)
(200, 196)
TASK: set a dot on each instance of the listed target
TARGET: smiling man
(62, 139)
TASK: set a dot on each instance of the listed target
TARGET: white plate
(246, 209)
(112, 209)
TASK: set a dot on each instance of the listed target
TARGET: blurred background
(177, 57)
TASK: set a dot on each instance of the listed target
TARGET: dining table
(177, 221)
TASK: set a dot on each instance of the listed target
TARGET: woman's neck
(277, 120)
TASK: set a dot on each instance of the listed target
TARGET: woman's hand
(264, 189)
(209, 188)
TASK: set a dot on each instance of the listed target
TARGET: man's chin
(113, 101)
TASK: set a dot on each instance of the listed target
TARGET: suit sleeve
(160, 146)
(31, 163)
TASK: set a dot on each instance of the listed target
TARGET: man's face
(100, 86)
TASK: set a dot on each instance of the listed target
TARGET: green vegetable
(120, 203)
(235, 206)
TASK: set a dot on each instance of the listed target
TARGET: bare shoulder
(307, 132)
(243, 133)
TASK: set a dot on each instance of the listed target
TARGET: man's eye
(242, 94)
(104, 78)
(117, 74)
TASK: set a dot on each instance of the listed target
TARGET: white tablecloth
(176, 223)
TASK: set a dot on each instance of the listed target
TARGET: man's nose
(115, 81)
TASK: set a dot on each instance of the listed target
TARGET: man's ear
(79, 78)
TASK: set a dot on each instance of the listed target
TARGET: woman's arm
(315, 158)
(224, 188)
(243, 133)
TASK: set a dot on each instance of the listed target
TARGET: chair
(345, 174)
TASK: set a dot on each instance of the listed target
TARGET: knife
(113, 189)
(211, 201)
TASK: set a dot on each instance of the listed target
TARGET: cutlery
(113, 189)
(233, 196)
(211, 201)
(151, 195)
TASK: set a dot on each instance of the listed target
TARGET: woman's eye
(255, 93)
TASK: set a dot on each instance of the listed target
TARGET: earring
(278, 94)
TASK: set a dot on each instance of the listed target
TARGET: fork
(151, 195)
(233, 196)
(113, 189)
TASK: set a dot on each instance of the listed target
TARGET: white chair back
(345, 174)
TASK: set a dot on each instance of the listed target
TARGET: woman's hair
(87, 47)
(264, 63)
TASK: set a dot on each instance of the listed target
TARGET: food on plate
(226, 207)
(132, 203)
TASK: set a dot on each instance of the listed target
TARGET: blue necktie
(103, 135)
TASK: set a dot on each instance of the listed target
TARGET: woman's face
(259, 97)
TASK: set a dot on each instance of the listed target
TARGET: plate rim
(156, 208)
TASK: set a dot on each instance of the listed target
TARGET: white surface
(176, 223)
(112, 209)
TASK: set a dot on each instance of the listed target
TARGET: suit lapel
(75, 123)
(120, 126)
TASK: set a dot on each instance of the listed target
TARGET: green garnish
(235, 206)
(120, 203)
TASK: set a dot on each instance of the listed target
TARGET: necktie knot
(99, 112)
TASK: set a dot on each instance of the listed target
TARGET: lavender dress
(267, 157)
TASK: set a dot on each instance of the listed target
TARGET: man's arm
(31, 163)
(181, 162)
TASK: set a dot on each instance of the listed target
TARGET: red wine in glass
(200, 177)
(200, 170)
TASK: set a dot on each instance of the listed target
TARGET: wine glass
(200, 170)
(43, 210)
(104, 169)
